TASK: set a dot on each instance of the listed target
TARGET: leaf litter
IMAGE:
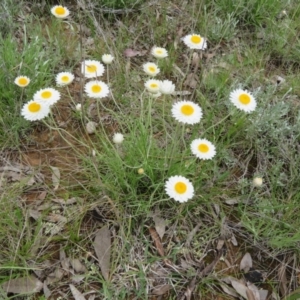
(102, 246)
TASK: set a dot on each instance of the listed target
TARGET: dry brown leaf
(250, 295)
(77, 265)
(195, 61)
(228, 290)
(64, 261)
(246, 263)
(209, 56)
(54, 218)
(191, 81)
(191, 234)
(157, 242)
(161, 290)
(209, 268)
(46, 291)
(283, 283)
(77, 278)
(23, 285)
(239, 287)
(102, 246)
(233, 240)
(275, 296)
(42, 195)
(34, 214)
(76, 294)
(160, 225)
(255, 293)
(220, 244)
(131, 53)
(263, 294)
(232, 201)
(55, 177)
(189, 291)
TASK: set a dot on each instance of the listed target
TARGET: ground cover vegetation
(149, 149)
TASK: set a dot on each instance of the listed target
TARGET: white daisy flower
(49, 95)
(195, 41)
(151, 69)
(78, 107)
(96, 89)
(159, 52)
(22, 81)
(179, 188)
(92, 68)
(35, 110)
(203, 149)
(107, 58)
(243, 100)
(152, 85)
(64, 78)
(60, 12)
(118, 138)
(187, 112)
(167, 87)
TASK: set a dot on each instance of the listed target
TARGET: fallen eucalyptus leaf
(131, 53)
(102, 246)
(55, 177)
(76, 294)
(254, 290)
(228, 290)
(246, 263)
(160, 226)
(77, 265)
(161, 290)
(23, 285)
(191, 81)
(46, 290)
(77, 278)
(157, 242)
(239, 287)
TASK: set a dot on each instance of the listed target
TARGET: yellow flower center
(96, 88)
(244, 99)
(59, 10)
(180, 187)
(91, 68)
(203, 148)
(23, 81)
(187, 110)
(154, 85)
(46, 94)
(152, 69)
(65, 78)
(159, 51)
(196, 39)
(34, 107)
